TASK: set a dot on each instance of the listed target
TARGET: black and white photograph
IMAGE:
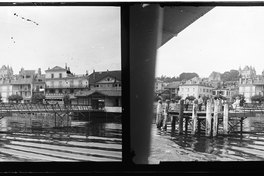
(209, 85)
(60, 84)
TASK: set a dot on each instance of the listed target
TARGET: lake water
(99, 139)
(234, 147)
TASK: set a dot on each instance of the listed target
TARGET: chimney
(66, 66)
(39, 71)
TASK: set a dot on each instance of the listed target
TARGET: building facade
(195, 87)
(104, 91)
(173, 89)
(60, 81)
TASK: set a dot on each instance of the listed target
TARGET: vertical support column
(181, 117)
(194, 118)
(173, 125)
(145, 33)
(215, 122)
(186, 124)
(208, 122)
(225, 119)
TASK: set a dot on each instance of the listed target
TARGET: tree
(66, 99)
(16, 98)
(257, 98)
(37, 98)
(187, 76)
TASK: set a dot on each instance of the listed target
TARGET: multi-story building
(60, 81)
(228, 93)
(195, 87)
(105, 91)
(173, 89)
(22, 84)
(38, 84)
(160, 85)
(5, 89)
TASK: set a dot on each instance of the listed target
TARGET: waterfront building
(5, 89)
(105, 91)
(22, 84)
(173, 89)
(38, 84)
(60, 81)
(160, 85)
(195, 87)
(228, 93)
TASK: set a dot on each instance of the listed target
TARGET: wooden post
(186, 124)
(208, 122)
(225, 119)
(181, 117)
(173, 125)
(194, 118)
(241, 125)
(215, 122)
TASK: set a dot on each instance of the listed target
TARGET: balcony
(66, 87)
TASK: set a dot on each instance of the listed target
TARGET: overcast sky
(85, 38)
(223, 39)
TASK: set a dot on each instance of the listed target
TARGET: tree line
(232, 75)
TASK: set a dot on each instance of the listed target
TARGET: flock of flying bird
(26, 19)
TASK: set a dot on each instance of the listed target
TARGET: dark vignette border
(127, 166)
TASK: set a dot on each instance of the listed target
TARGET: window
(60, 75)
(60, 90)
(52, 75)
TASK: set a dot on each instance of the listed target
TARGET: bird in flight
(26, 19)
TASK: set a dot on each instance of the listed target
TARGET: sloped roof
(22, 81)
(172, 85)
(109, 93)
(56, 68)
(97, 76)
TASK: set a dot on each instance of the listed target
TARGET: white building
(195, 87)
(160, 85)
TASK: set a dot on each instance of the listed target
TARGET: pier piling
(225, 119)
(194, 118)
(215, 122)
(181, 117)
(208, 122)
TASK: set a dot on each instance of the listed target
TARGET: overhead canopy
(177, 18)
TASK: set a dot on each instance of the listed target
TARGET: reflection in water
(250, 146)
(22, 139)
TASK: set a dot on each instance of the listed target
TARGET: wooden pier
(62, 113)
(209, 122)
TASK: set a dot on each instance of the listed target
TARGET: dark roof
(110, 93)
(56, 68)
(22, 81)
(97, 76)
(172, 85)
